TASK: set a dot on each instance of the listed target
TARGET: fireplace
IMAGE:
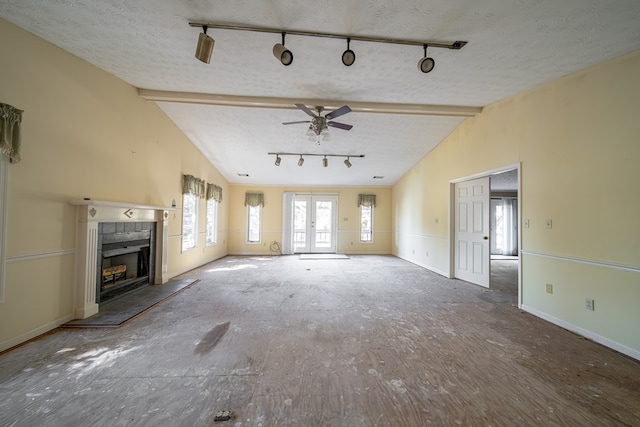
(126, 258)
(120, 247)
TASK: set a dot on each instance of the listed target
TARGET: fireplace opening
(126, 253)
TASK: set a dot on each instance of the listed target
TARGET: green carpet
(118, 311)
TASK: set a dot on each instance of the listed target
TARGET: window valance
(10, 119)
(193, 185)
(254, 199)
(367, 200)
(214, 192)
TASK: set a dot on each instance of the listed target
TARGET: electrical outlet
(549, 288)
(589, 304)
(547, 223)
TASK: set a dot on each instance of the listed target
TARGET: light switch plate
(525, 223)
(547, 223)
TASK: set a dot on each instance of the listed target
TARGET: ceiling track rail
(457, 45)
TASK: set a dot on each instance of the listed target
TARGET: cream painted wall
(348, 219)
(84, 134)
(576, 139)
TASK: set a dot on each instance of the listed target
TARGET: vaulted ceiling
(233, 107)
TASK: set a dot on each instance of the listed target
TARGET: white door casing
(472, 202)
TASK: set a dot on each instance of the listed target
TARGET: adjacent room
(350, 214)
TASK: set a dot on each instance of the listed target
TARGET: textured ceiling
(513, 46)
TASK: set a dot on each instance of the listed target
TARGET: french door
(314, 224)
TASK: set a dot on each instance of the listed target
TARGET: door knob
(486, 237)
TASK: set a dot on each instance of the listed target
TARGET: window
(189, 221)
(212, 222)
(366, 223)
(254, 220)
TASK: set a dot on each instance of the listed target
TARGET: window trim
(259, 241)
(360, 224)
(195, 223)
(214, 203)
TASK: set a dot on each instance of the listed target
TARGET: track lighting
(205, 46)
(283, 54)
(426, 64)
(325, 160)
(349, 56)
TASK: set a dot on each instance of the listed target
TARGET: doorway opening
(485, 230)
(504, 232)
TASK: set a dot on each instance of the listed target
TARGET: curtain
(510, 223)
(193, 185)
(214, 192)
(10, 118)
(287, 222)
(254, 199)
(367, 200)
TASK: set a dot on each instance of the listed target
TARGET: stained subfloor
(368, 341)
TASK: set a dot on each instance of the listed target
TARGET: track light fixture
(349, 56)
(281, 53)
(205, 46)
(325, 160)
(285, 56)
(426, 64)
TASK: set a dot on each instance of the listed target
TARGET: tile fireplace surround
(89, 214)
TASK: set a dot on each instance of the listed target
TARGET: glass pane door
(314, 224)
(301, 224)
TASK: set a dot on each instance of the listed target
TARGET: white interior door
(314, 224)
(472, 231)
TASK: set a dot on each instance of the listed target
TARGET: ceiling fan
(319, 123)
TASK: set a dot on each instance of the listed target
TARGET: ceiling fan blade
(339, 112)
(306, 110)
(295, 123)
(339, 125)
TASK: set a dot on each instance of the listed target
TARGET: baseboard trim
(24, 338)
(170, 276)
(427, 267)
(621, 348)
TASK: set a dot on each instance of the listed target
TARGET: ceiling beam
(288, 103)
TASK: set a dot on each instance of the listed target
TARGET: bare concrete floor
(366, 341)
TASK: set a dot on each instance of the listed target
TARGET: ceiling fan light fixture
(348, 56)
(426, 64)
(282, 54)
(204, 47)
(301, 161)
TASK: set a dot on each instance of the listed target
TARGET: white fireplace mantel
(89, 214)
